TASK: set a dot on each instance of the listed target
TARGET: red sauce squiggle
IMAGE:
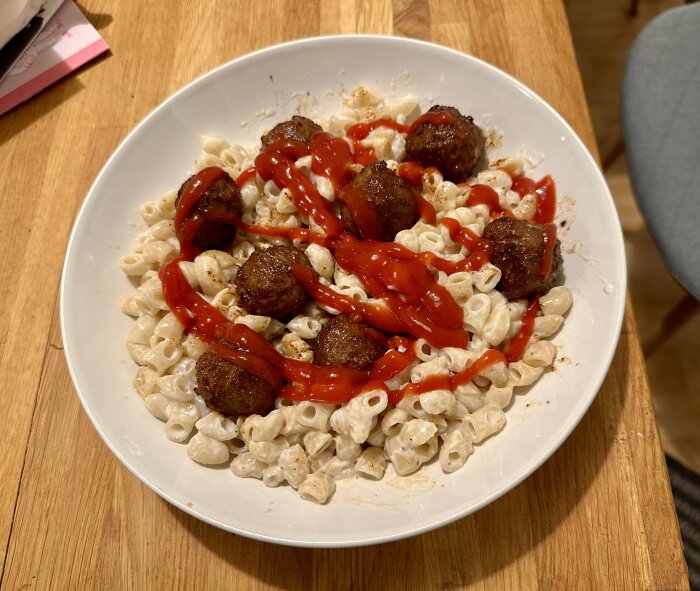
(331, 157)
(254, 364)
(247, 175)
(425, 210)
(516, 346)
(523, 185)
(362, 211)
(303, 234)
(391, 364)
(417, 318)
(434, 118)
(386, 367)
(209, 324)
(468, 239)
(276, 163)
(412, 172)
(413, 302)
(484, 195)
(465, 376)
(389, 271)
(489, 357)
(360, 131)
(365, 154)
(190, 227)
(192, 192)
(253, 352)
(423, 307)
(546, 193)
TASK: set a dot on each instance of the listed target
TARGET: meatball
(390, 197)
(223, 196)
(455, 149)
(297, 128)
(518, 249)
(230, 389)
(266, 285)
(342, 342)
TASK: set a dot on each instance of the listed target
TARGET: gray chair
(661, 128)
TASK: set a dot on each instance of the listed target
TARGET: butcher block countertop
(598, 515)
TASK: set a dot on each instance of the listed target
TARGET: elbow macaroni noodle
(310, 445)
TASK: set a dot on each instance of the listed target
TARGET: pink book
(67, 42)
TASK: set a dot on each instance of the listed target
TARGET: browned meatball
(266, 285)
(224, 196)
(454, 149)
(297, 128)
(518, 249)
(342, 342)
(230, 389)
(390, 196)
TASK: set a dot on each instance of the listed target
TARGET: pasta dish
(353, 295)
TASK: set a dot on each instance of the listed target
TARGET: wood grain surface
(597, 515)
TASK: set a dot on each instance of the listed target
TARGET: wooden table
(598, 515)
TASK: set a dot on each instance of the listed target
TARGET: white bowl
(262, 89)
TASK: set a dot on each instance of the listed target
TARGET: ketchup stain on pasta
(515, 348)
(247, 175)
(413, 173)
(360, 131)
(411, 301)
(481, 249)
(522, 185)
(443, 382)
(484, 195)
(331, 157)
(546, 193)
(276, 163)
(365, 154)
(205, 321)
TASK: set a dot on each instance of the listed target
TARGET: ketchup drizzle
(192, 192)
(523, 185)
(365, 154)
(481, 249)
(412, 172)
(484, 195)
(434, 118)
(246, 175)
(331, 157)
(425, 209)
(515, 348)
(209, 324)
(362, 212)
(489, 357)
(427, 307)
(360, 131)
(546, 200)
(276, 163)
(412, 302)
